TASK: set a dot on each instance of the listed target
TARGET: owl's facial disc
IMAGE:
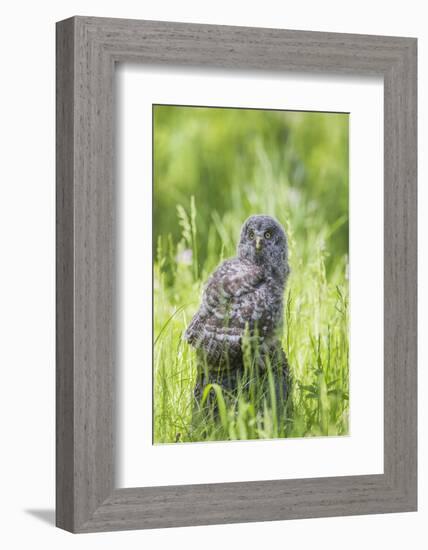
(263, 241)
(259, 237)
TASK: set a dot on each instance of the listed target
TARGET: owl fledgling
(242, 304)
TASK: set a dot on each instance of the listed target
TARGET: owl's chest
(261, 308)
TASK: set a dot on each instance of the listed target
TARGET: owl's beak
(258, 243)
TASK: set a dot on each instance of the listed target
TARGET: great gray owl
(242, 305)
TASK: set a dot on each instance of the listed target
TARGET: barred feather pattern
(243, 297)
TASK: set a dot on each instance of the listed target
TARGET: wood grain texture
(87, 50)
(64, 276)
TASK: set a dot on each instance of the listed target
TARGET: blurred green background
(214, 167)
(238, 162)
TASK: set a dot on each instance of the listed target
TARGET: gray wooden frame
(87, 50)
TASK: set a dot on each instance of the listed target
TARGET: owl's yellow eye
(268, 235)
(251, 235)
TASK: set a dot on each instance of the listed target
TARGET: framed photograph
(236, 274)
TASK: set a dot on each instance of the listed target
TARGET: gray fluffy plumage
(244, 295)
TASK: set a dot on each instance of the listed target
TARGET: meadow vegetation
(212, 169)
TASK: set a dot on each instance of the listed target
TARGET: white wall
(27, 271)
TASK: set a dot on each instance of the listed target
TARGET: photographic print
(250, 274)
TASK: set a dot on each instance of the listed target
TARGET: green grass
(302, 181)
(315, 339)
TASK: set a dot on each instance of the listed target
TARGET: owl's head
(264, 242)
